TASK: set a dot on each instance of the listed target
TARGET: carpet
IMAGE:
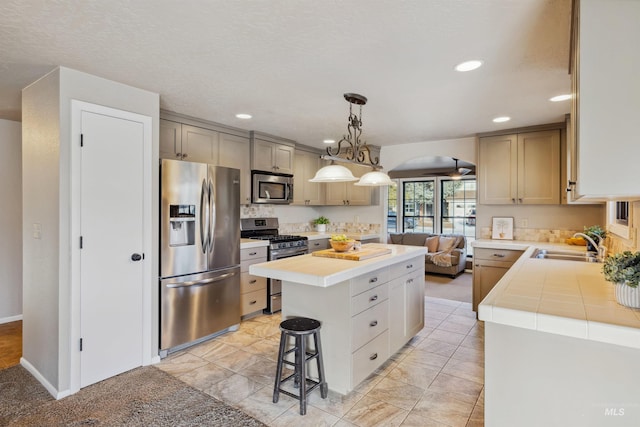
(458, 289)
(144, 396)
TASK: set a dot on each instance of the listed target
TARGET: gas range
(283, 241)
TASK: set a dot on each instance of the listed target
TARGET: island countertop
(561, 297)
(324, 272)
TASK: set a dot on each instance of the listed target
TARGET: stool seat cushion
(299, 324)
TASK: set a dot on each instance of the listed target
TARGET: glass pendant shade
(333, 173)
(374, 179)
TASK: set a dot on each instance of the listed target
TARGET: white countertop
(561, 297)
(253, 243)
(314, 235)
(324, 272)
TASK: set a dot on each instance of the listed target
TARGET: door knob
(136, 257)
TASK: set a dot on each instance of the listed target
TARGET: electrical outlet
(524, 223)
(37, 231)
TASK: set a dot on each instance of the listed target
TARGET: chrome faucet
(602, 250)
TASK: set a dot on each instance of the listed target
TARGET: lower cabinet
(253, 289)
(489, 265)
(406, 302)
(318, 245)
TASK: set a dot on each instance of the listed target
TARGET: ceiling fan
(457, 172)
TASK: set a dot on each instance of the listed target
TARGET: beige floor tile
(415, 419)
(260, 405)
(443, 408)
(212, 349)
(343, 423)
(463, 320)
(477, 417)
(460, 388)
(416, 374)
(426, 357)
(469, 355)
(314, 418)
(450, 326)
(262, 371)
(238, 339)
(233, 389)
(432, 323)
(438, 347)
(396, 393)
(238, 360)
(468, 370)
(434, 314)
(205, 376)
(264, 348)
(447, 336)
(475, 342)
(335, 403)
(373, 413)
(181, 363)
(365, 386)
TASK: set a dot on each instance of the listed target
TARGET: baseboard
(10, 319)
(42, 380)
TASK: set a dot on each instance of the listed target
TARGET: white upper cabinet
(521, 168)
(606, 105)
(199, 145)
(271, 154)
(234, 152)
(346, 193)
(305, 167)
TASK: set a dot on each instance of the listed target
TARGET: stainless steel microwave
(267, 187)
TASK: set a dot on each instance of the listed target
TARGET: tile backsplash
(534, 234)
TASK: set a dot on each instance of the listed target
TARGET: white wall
(46, 109)
(10, 221)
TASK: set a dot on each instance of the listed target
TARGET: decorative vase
(627, 296)
(322, 228)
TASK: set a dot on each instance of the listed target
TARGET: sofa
(447, 253)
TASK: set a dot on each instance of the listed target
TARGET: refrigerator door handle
(204, 229)
(212, 216)
(200, 282)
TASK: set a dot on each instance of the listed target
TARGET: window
(418, 197)
(622, 213)
(392, 215)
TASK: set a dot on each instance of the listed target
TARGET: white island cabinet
(368, 309)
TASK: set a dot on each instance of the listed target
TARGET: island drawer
(244, 264)
(369, 298)
(251, 283)
(369, 358)
(253, 301)
(406, 267)
(369, 324)
(253, 253)
(369, 280)
(318, 245)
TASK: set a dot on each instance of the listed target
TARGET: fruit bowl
(342, 246)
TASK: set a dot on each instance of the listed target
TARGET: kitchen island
(559, 350)
(368, 309)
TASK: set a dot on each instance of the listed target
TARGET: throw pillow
(431, 243)
(446, 243)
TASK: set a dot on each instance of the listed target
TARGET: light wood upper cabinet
(199, 145)
(520, 168)
(306, 165)
(270, 155)
(606, 103)
(170, 140)
(234, 152)
(345, 193)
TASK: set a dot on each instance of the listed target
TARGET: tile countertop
(252, 243)
(325, 272)
(314, 235)
(560, 297)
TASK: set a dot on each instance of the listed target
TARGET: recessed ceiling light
(329, 141)
(501, 119)
(243, 116)
(469, 65)
(560, 98)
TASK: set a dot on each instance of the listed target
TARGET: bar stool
(300, 328)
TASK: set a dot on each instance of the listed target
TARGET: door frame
(77, 107)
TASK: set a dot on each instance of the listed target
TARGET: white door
(111, 224)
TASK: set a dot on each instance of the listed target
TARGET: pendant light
(354, 151)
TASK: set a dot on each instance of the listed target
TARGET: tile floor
(435, 380)
(10, 344)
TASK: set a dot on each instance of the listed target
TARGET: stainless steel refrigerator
(199, 252)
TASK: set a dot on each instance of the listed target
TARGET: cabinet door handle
(513, 200)
(374, 280)
(316, 244)
(410, 281)
(374, 323)
(373, 298)
(520, 200)
(498, 255)
(253, 302)
(410, 266)
(374, 356)
(184, 156)
(251, 282)
(253, 253)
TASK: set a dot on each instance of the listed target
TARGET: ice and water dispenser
(183, 225)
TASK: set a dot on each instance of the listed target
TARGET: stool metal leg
(276, 387)
(301, 355)
(324, 388)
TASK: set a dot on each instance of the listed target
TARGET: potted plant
(623, 270)
(321, 224)
(597, 233)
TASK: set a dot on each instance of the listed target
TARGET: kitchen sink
(564, 255)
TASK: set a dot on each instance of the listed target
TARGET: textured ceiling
(289, 62)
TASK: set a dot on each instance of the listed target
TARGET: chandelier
(351, 149)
